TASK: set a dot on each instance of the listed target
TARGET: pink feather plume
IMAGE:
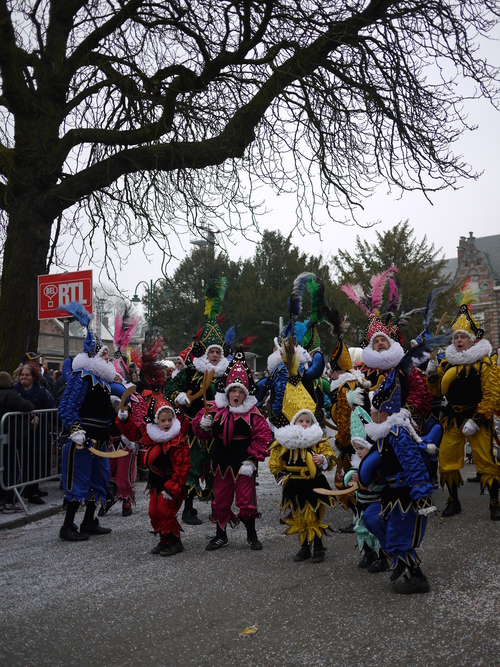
(356, 294)
(378, 282)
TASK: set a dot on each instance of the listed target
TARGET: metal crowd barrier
(30, 450)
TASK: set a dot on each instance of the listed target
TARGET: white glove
(470, 427)
(432, 367)
(166, 495)
(247, 469)
(78, 437)
(127, 443)
(356, 396)
(431, 448)
(206, 422)
(182, 399)
(115, 401)
(123, 415)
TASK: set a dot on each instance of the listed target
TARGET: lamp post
(275, 324)
(150, 294)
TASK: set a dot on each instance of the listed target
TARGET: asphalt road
(108, 602)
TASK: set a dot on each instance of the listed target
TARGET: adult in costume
(399, 521)
(469, 379)
(86, 413)
(240, 438)
(190, 388)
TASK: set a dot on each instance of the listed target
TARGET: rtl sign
(60, 289)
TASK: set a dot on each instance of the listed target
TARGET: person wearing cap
(165, 452)
(400, 520)
(241, 437)
(86, 413)
(469, 378)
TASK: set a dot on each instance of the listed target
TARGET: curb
(24, 520)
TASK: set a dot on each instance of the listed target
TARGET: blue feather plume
(76, 310)
(429, 344)
(231, 335)
(430, 306)
(295, 300)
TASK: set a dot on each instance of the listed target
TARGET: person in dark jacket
(29, 388)
(10, 401)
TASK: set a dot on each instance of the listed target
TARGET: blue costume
(399, 520)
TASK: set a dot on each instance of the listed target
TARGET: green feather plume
(214, 295)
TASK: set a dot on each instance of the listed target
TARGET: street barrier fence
(30, 450)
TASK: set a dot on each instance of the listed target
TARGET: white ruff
(157, 435)
(384, 360)
(345, 377)
(96, 365)
(378, 431)
(273, 360)
(296, 437)
(202, 364)
(221, 401)
(475, 353)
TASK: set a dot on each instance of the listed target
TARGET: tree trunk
(25, 256)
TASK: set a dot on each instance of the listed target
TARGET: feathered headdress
(125, 328)
(316, 288)
(295, 306)
(417, 352)
(91, 345)
(153, 372)
(211, 334)
(464, 322)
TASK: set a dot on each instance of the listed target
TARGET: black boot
(494, 504)
(369, 557)
(69, 532)
(89, 525)
(303, 554)
(252, 539)
(453, 505)
(189, 514)
(318, 554)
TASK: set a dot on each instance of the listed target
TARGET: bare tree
(130, 116)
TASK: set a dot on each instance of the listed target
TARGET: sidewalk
(53, 505)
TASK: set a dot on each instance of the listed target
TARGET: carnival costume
(86, 414)
(377, 365)
(166, 455)
(470, 381)
(189, 381)
(240, 438)
(291, 461)
(399, 521)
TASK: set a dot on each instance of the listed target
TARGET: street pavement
(108, 602)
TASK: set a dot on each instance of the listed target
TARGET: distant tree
(421, 269)
(139, 117)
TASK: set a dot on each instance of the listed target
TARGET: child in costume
(298, 458)
(240, 438)
(374, 559)
(164, 450)
(399, 522)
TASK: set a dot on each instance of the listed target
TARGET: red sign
(60, 289)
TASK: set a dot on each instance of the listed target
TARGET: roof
(489, 246)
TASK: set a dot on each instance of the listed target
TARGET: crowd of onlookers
(27, 456)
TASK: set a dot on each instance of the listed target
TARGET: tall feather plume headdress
(464, 322)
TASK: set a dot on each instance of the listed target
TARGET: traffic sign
(60, 289)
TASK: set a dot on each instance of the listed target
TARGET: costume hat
(464, 322)
(211, 334)
(91, 345)
(238, 374)
(387, 398)
(359, 419)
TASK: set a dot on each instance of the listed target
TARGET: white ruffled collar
(221, 401)
(296, 437)
(96, 365)
(353, 375)
(157, 435)
(475, 353)
(202, 364)
(378, 431)
(384, 360)
(274, 359)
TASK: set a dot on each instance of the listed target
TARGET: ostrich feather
(394, 297)
(153, 371)
(430, 306)
(76, 310)
(231, 335)
(356, 294)
(338, 324)
(378, 283)
(316, 290)
(295, 300)
(125, 328)
(289, 355)
(214, 295)
(407, 362)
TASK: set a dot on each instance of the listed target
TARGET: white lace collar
(296, 437)
(202, 364)
(157, 435)
(475, 353)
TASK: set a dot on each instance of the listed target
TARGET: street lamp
(150, 294)
(275, 324)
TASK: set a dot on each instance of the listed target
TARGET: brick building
(479, 259)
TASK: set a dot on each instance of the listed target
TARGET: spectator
(10, 401)
(39, 454)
